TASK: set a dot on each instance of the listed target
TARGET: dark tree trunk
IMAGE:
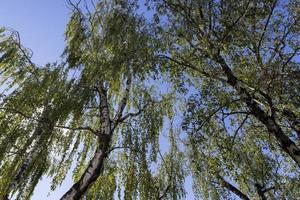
(286, 143)
(95, 166)
(90, 175)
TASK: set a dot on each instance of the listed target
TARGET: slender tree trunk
(43, 126)
(95, 166)
(286, 143)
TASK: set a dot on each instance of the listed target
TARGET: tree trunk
(95, 167)
(90, 175)
(286, 143)
(294, 122)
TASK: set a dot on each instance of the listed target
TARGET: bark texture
(90, 175)
(95, 166)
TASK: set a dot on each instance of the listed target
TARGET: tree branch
(165, 191)
(28, 58)
(122, 147)
(189, 66)
(260, 191)
(266, 26)
(96, 165)
(123, 101)
(232, 188)
(237, 130)
(80, 128)
(128, 115)
(289, 59)
(230, 27)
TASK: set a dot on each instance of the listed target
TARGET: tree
(243, 58)
(230, 114)
(86, 109)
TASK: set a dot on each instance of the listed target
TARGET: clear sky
(41, 24)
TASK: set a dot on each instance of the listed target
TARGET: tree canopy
(140, 103)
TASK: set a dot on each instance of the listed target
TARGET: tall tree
(98, 107)
(232, 72)
(241, 60)
(107, 45)
(250, 47)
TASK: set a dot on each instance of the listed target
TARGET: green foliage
(258, 42)
(51, 119)
(42, 114)
(14, 59)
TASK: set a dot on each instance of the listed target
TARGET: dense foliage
(193, 89)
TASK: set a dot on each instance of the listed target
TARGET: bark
(90, 175)
(42, 128)
(232, 188)
(95, 166)
(269, 121)
(165, 192)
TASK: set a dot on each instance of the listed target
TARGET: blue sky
(41, 25)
